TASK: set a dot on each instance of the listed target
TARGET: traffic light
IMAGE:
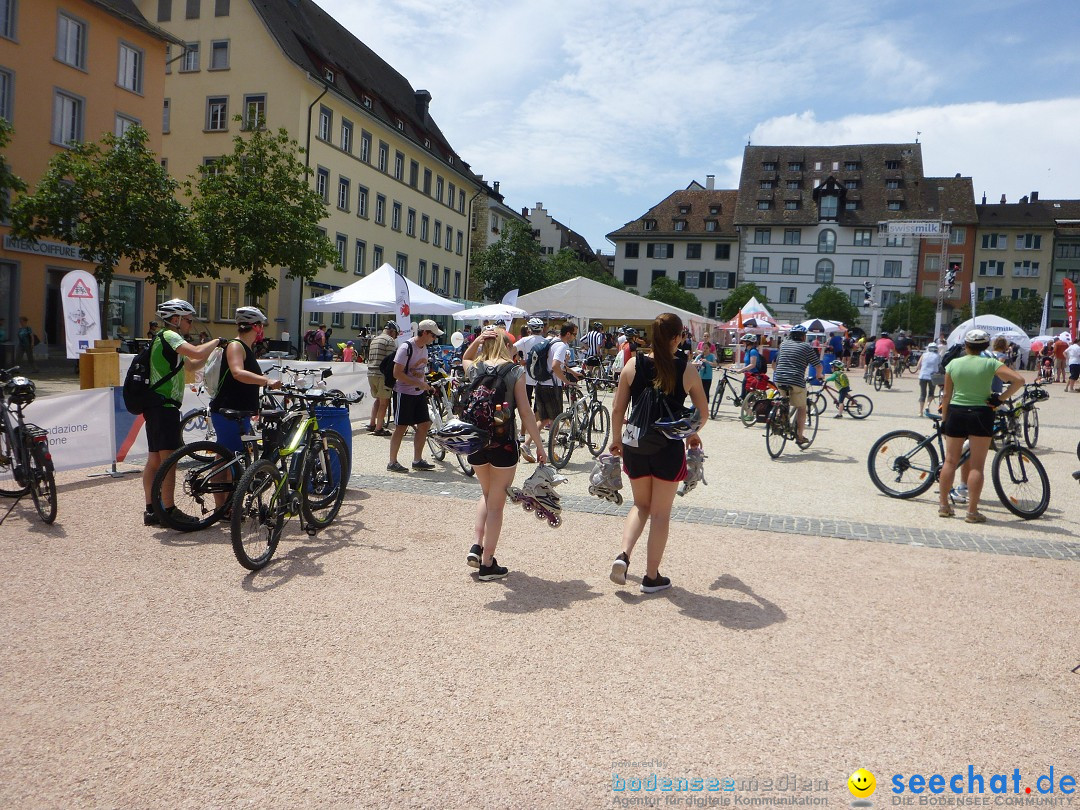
(950, 275)
(868, 294)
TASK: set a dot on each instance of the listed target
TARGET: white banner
(401, 295)
(929, 228)
(80, 427)
(79, 294)
(973, 300)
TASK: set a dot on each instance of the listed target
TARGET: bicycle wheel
(197, 426)
(9, 487)
(196, 466)
(776, 430)
(812, 419)
(326, 474)
(903, 464)
(1031, 427)
(816, 403)
(438, 452)
(41, 481)
(718, 397)
(598, 429)
(747, 413)
(257, 515)
(1021, 481)
(879, 380)
(561, 440)
(859, 406)
(466, 467)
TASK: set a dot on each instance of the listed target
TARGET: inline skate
(537, 494)
(695, 470)
(605, 480)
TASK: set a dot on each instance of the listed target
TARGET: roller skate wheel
(618, 499)
(527, 505)
(555, 521)
(540, 515)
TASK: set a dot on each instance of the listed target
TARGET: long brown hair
(665, 329)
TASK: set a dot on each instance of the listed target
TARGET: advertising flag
(401, 295)
(510, 299)
(1070, 305)
(79, 294)
(973, 302)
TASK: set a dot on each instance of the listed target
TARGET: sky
(599, 109)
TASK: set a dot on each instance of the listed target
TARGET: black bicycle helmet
(680, 427)
(20, 391)
(461, 437)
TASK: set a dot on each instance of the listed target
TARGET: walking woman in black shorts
(654, 476)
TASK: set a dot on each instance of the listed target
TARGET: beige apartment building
(1014, 250)
(395, 189)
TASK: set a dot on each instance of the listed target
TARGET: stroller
(1046, 369)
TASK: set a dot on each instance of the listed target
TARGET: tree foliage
(731, 305)
(10, 183)
(254, 209)
(831, 303)
(1024, 312)
(115, 201)
(565, 265)
(667, 291)
(514, 262)
(912, 312)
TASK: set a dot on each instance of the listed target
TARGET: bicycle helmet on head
(931, 347)
(174, 307)
(976, 337)
(392, 325)
(751, 339)
(679, 428)
(535, 324)
(838, 365)
(597, 326)
(630, 332)
(884, 334)
(798, 329)
(249, 315)
(460, 437)
(20, 391)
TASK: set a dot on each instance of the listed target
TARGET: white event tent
(994, 326)
(587, 300)
(375, 294)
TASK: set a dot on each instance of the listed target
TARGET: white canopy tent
(587, 300)
(994, 326)
(375, 294)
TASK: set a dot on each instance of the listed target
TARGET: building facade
(690, 238)
(554, 236)
(1014, 250)
(1066, 262)
(396, 191)
(70, 71)
(950, 200)
(490, 213)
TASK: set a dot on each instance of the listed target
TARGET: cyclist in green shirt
(169, 354)
(843, 385)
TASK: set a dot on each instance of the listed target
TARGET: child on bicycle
(839, 377)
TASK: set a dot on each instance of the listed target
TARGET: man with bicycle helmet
(792, 361)
(169, 354)
(884, 351)
(522, 348)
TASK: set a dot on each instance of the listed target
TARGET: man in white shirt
(522, 349)
(1072, 360)
(549, 395)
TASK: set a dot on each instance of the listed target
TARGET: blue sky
(600, 109)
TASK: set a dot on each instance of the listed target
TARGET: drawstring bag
(638, 433)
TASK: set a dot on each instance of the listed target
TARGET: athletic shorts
(796, 395)
(549, 401)
(163, 429)
(1074, 371)
(666, 464)
(964, 421)
(229, 431)
(410, 409)
(496, 456)
(377, 384)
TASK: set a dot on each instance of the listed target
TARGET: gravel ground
(367, 667)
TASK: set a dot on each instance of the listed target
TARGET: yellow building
(396, 191)
(72, 70)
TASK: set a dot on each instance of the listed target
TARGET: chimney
(1002, 199)
(710, 182)
(984, 198)
(525, 211)
(1023, 200)
(422, 99)
(1034, 196)
(495, 186)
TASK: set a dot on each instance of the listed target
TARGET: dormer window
(710, 224)
(795, 166)
(892, 164)
(401, 125)
(768, 166)
(650, 224)
(450, 160)
(714, 210)
(852, 166)
(851, 184)
(680, 224)
(828, 206)
(367, 102)
(427, 143)
(766, 184)
(684, 209)
(328, 74)
(892, 183)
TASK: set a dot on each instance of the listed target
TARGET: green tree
(115, 201)
(10, 183)
(912, 312)
(731, 305)
(829, 302)
(254, 209)
(1024, 312)
(565, 265)
(667, 291)
(512, 262)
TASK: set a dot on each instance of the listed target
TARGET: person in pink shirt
(884, 351)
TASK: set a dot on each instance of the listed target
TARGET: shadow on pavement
(525, 593)
(735, 614)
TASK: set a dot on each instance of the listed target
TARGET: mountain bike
(26, 464)
(899, 365)
(780, 424)
(904, 464)
(586, 422)
(724, 384)
(857, 406)
(879, 375)
(1033, 393)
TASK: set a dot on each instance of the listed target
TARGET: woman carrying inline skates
(657, 465)
(496, 463)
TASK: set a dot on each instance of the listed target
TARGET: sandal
(975, 517)
(803, 443)
(945, 511)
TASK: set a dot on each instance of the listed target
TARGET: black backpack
(138, 393)
(480, 399)
(951, 354)
(609, 341)
(386, 365)
(537, 361)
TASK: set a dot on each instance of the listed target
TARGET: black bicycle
(25, 462)
(904, 464)
(780, 425)
(724, 385)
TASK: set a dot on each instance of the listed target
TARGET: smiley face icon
(862, 783)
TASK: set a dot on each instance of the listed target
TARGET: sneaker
(838, 416)
(654, 585)
(370, 428)
(381, 432)
(394, 466)
(150, 519)
(618, 569)
(527, 456)
(958, 495)
(473, 558)
(493, 571)
(423, 465)
(975, 517)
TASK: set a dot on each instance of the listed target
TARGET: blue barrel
(337, 419)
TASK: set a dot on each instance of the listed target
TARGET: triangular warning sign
(80, 290)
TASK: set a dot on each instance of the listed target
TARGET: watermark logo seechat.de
(1005, 787)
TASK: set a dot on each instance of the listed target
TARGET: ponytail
(666, 328)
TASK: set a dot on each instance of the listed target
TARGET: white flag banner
(510, 299)
(973, 301)
(79, 294)
(401, 295)
(1044, 323)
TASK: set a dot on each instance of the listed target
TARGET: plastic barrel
(337, 419)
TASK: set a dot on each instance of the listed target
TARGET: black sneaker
(618, 569)
(473, 559)
(150, 519)
(423, 465)
(493, 571)
(394, 466)
(654, 585)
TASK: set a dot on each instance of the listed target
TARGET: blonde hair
(496, 351)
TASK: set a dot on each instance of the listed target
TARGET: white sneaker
(958, 495)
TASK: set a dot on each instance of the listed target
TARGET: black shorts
(964, 421)
(496, 455)
(666, 464)
(163, 429)
(549, 401)
(1074, 371)
(410, 409)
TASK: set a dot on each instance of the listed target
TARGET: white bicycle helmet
(535, 324)
(977, 337)
(931, 347)
(681, 428)
(249, 315)
(174, 307)
(460, 437)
